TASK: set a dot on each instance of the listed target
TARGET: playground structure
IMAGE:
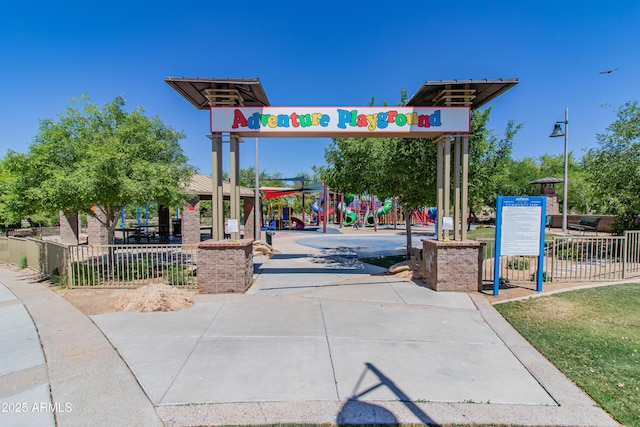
(281, 217)
(358, 210)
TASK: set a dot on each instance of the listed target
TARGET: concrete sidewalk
(319, 338)
(80, 380)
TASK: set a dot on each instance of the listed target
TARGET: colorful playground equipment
(317, 208)
(386, 207)
(280, 218)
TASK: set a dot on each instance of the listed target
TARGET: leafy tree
(406, 168)
(613, 167)
(578, 185)
(96, 156)
(490, 165)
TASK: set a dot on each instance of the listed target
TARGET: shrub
(56, 278)
(83, 274)
(175, 275)
(546, 277)
(570, 253)
(23, 262)
(518, 263)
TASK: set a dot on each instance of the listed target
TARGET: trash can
(177, 226)
(269, 235)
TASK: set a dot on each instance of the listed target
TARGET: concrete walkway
(71, 375)
(319, 338)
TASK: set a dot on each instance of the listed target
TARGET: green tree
(490, 163)
(613, 167)
(96, 156)
(578, 186)
(406, 167)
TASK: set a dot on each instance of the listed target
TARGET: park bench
(587, 223)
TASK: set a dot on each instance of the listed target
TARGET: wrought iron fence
(571, 259)
(120, 266)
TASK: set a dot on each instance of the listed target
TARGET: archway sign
(364, 122)
(239, 108)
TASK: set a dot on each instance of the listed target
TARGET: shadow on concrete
(355, 411)
(289, 256)
(308, 270)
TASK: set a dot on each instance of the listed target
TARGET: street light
(557, 131)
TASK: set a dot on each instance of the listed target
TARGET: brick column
(69, 228)
(191, 222)
(225, 266)
(97, 234)
(452, 266)
(249, 220)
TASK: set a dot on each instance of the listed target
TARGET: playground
(342, 210)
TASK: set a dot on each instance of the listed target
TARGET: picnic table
(138, 233)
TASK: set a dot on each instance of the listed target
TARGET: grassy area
(593, 336)
(481, 233)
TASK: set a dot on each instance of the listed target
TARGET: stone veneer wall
(225, 266)
(553, 206)
(191, 222)
(69, 228)
(452, 266)
(97, 234)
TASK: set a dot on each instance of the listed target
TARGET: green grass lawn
(593, 336)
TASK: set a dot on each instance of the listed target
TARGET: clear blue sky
(320, 53)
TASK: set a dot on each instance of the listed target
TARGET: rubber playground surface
(362, 246)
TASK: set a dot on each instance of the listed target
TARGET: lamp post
(557, 131)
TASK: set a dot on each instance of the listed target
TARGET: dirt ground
(91, 301)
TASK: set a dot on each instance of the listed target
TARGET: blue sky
(320, 53)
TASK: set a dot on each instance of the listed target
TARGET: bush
(623, 222)
(570, 253)
(56, 278)
(545, 277)
(83, 274)
(23, 262)
(175, 275)
(518, 263)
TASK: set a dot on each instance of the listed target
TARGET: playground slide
(316, 207)
(386, 207)
(299, 225)
(349, 216)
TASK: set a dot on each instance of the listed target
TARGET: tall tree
(613, 167)
(102, 157)
(490, 163)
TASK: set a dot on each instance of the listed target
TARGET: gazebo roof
(202, 185)
(547, 180)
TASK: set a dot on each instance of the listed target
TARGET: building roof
(202, 185)
(473, 93)
(547, 180)
(211, 92)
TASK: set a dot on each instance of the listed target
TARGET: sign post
(520, 226)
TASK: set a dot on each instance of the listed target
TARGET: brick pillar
(249, 220)
(69, 228)
(452, 266)
(225, 266)
(191, 222)
(97, 233)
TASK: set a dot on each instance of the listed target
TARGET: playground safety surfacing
(368, 246)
